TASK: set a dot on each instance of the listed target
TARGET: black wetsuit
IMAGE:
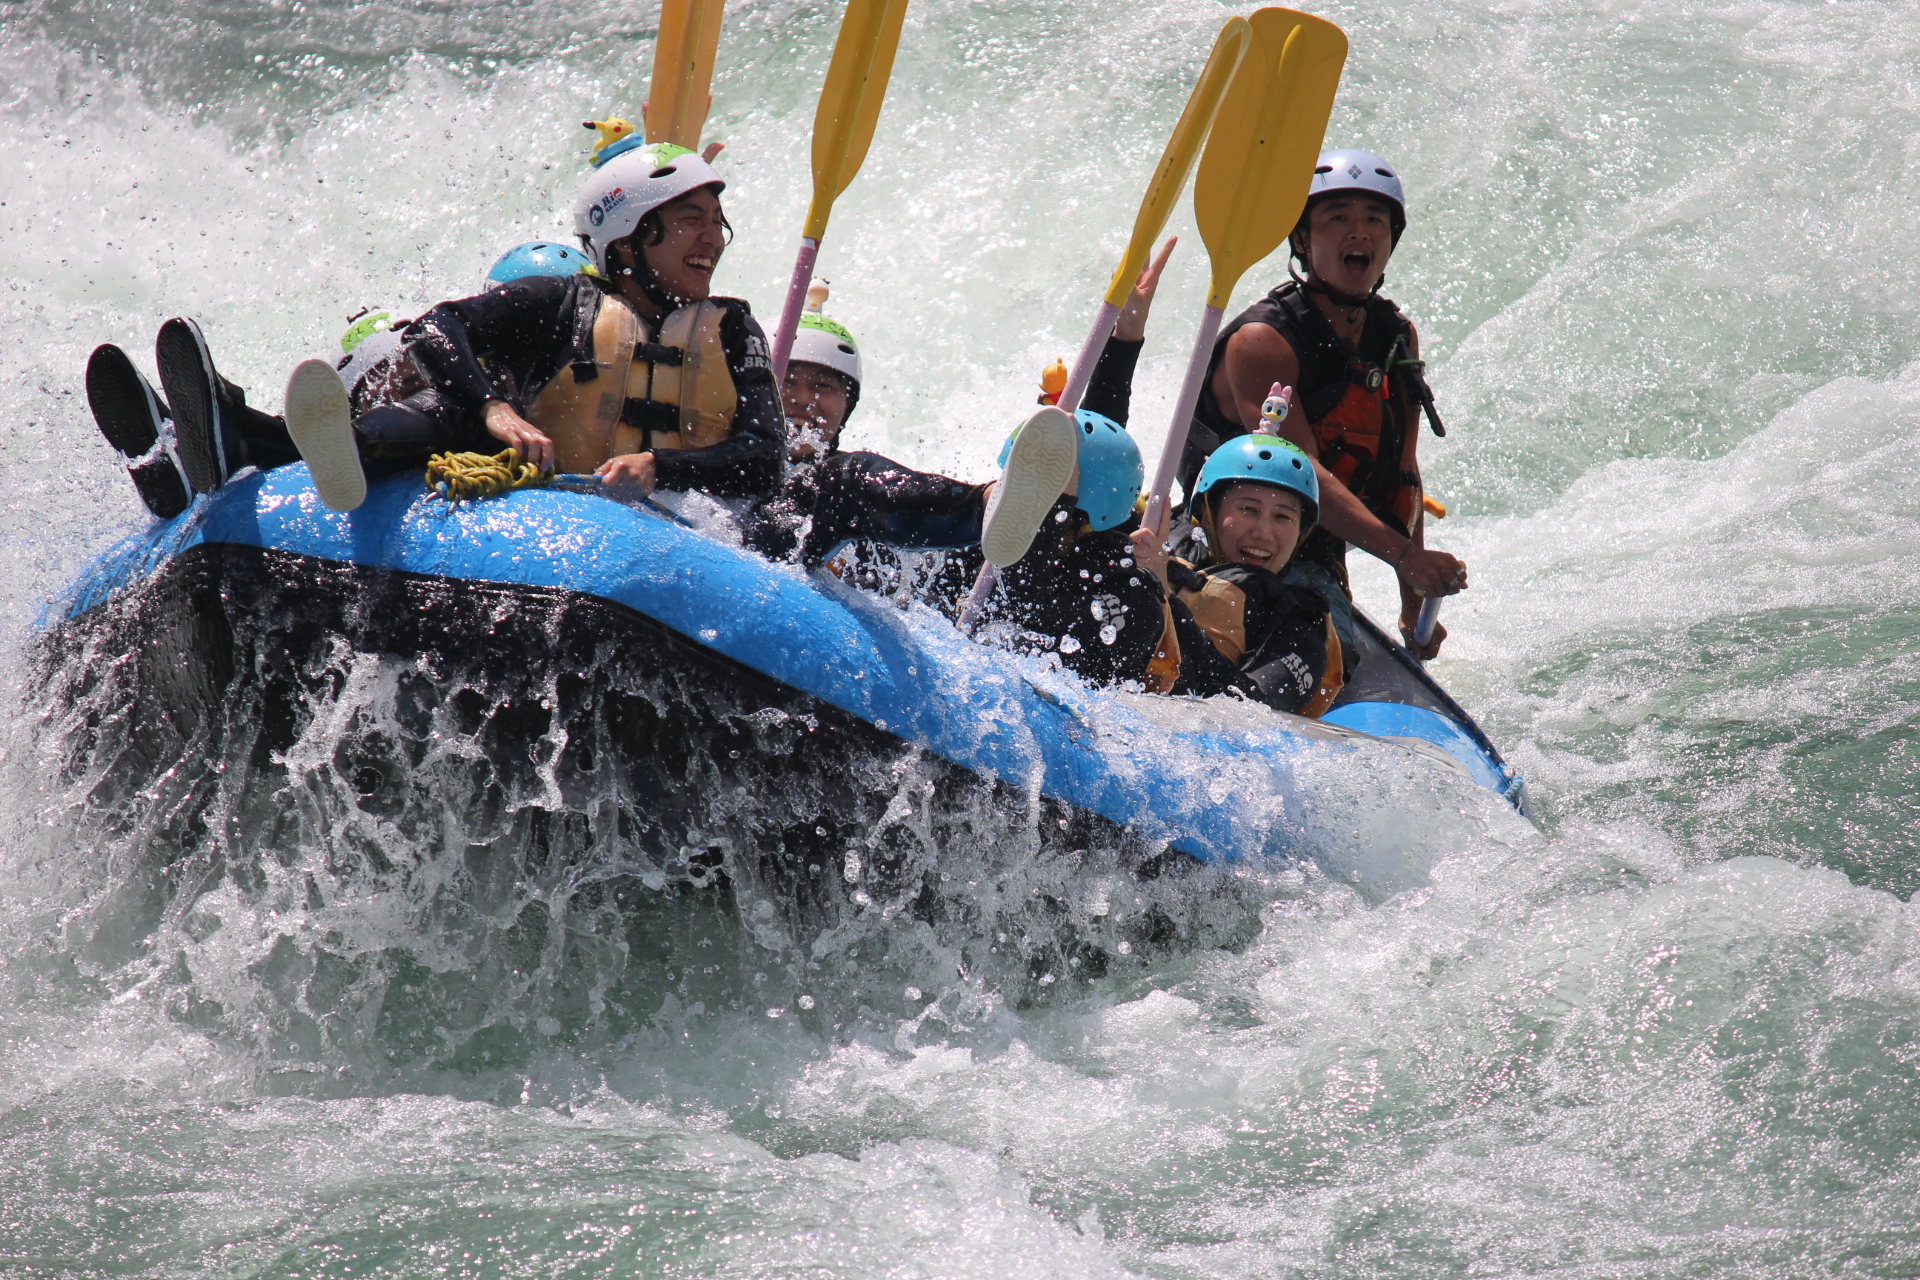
(511, 341)
(1285, 630)
(835, 498)
(1077, 593)
(828, 501)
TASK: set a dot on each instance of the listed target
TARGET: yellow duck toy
(1053, 381)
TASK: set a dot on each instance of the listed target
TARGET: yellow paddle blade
(680, 94)
(1259, 159)
(850, 101)
(1176, 162)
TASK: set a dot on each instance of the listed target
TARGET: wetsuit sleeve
(1110, 390)
(528, 322)
(749, 462)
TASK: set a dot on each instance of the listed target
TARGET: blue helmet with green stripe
(1111, 472)
(1264, 460)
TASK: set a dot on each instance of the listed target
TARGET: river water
(1664, 262)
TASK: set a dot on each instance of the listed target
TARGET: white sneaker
(1044, 454)
(321, 423)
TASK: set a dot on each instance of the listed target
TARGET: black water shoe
(130, 416)
(186, 371)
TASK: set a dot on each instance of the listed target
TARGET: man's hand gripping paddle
(842, 130)
(1253, 182)
(1163, 193)
(683, 54)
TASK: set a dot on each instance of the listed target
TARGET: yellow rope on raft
(461, 477)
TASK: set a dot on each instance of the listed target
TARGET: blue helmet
(1264, 460)
(539, 258)
(1111, 472)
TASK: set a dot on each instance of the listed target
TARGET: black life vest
(1360, 400)
(1241, 608)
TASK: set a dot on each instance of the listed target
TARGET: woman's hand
(1132, 324)
(530, 444)
(1150, 553)
(631, 475)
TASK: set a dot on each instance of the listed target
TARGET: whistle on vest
(1417, 379)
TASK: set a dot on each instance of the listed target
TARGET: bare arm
(1257, 357)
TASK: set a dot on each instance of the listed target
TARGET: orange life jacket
(1362, 439)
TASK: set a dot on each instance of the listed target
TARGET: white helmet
(1354, 170)
(827, 342)
(630, 182)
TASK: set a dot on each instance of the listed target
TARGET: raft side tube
(1003, 717)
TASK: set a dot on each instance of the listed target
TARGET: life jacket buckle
(1375, 376)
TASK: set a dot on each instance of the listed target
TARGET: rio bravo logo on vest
(758, 357)
(608, 203)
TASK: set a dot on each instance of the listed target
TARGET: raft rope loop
(462, 477)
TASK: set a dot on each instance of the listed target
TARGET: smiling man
(632, 370)
(1353, 361)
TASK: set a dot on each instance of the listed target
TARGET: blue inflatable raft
(609, 653)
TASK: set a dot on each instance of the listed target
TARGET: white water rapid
(1667, 270)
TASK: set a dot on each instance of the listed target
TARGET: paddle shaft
(1183, 408)
(1423, 625)
(983, 586)
(791, 308)
(843, 123)
(1083, 364)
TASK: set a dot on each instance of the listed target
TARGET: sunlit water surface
(1664, 259)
